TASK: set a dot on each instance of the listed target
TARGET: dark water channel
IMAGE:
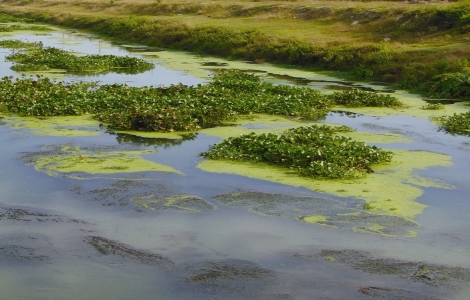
(87, 237)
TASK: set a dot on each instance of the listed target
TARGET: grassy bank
(412, 45)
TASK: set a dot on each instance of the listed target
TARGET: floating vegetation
(70, 159)
(392, 189)
(163, 109)
(320, 211)
(17, 44)
(433, 106)
(41, 59)
(314, 151)
(359, 98)
(455, 124)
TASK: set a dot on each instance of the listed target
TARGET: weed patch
(314, 151)
(358, 98)
(173, 108)
(18, 44)
(456, 124)
(40, 59)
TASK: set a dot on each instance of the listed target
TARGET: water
(224, 252)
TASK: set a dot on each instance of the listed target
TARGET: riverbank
(413, 45)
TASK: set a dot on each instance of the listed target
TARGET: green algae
(67, 126)
(391, 190)
(70, 159)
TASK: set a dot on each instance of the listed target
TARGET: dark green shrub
(455, 85)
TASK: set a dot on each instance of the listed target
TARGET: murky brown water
(164, 235)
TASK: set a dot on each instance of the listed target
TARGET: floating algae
(321, 211)
(391, 190)
(71, 159)
(68, 126)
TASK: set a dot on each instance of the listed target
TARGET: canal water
(194, 234)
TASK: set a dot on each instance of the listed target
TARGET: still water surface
(68, 238)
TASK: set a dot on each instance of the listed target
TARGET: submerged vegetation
(315, 151)
(18, 44)
(41, 59)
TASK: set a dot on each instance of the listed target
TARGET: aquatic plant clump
(163, 109)
(314, 151)
(17, 44)
(41, 59)
(456, 124)
(358, 98)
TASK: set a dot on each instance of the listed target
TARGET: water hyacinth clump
(314, 151)
(456, 124)
(359, 98)
(41, 59)
(172, 108)
(18, 44)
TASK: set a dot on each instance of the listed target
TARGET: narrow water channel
(187, 233)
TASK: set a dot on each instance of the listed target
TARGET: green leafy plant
(359, 98)
(455, 124)
(176, 107)
(314, 151)
(17, 44)
(38, 59)
(455, 85)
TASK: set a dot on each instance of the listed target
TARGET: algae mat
(71, 159)
(391, 190)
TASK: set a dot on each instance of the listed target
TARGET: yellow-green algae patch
(73, 159)
(176, 202)
(69, 126)
(391, 190)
